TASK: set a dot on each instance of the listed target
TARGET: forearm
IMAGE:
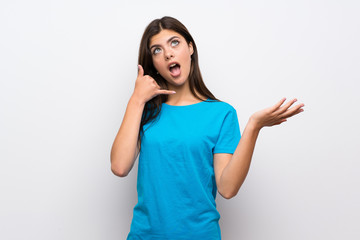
(123, 152)
(236, 170)
(234, 173)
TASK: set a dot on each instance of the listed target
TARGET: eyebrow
(157, 45)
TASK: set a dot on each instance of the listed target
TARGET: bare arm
(231, 170)
(230, 173)
(125, 148)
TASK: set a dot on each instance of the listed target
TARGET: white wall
(67, 70)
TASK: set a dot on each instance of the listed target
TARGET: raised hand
(146, 87)
(276, 114)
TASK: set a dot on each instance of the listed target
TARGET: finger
(287, 106)
(297, 112)
(293, 111)
(277, 105)
(165, 92)
(280, 122)
(140, 71)
(156, 85)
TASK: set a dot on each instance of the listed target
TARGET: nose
(169, 54)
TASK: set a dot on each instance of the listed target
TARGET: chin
(177, 83)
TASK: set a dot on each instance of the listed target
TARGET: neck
(183, 95)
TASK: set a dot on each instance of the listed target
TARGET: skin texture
(169, 46)
(166, 47)
(230, 169)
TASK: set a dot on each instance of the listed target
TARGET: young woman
(189, 141)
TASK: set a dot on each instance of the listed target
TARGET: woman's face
(171, 56)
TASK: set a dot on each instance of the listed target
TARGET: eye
(156, 51)
(174, 42)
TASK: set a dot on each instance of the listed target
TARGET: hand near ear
(146, 87)
(276, 114)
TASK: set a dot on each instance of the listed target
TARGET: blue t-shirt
(176, 181)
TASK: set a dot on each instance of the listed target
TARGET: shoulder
(222, 106)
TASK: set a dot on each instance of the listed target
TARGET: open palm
(276, 114)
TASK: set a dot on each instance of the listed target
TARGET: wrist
(136, 100)
(254, 125)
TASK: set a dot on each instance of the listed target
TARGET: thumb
(140, 71)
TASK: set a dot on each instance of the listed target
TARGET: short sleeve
(229, 135)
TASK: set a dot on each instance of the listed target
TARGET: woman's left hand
(276, 114)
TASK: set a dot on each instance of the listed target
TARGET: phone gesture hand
(146, 87)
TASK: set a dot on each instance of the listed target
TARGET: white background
(67, 70)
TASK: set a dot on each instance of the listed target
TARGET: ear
(191, 48)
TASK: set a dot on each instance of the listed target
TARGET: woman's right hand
(146, 87)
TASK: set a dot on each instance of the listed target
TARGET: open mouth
(174, 69)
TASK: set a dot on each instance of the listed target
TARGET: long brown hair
(153, 107)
